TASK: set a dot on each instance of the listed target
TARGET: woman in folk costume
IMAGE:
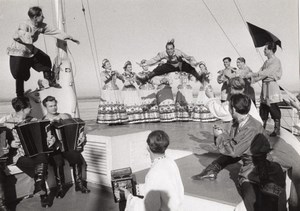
(111, 108)
(200, 113)
(184, 97)
(165, 99)
(269, 74)
(131, 98)
(242, 71)
(148, 96)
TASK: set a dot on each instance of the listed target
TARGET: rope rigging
(221, 28)
(244, 21)
(95, 61)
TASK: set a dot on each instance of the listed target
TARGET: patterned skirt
(166, 104)
(184, 104)
(133, 106)
(111, 109)
(199, 112)
(149, 105)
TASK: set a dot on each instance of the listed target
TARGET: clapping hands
(217, 130)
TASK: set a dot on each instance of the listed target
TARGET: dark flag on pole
(261, 36)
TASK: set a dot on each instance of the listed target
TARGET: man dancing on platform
(23, 55)
(36, 166)
(57, 157)
(176, 61)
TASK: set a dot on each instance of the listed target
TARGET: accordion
(69, 132)
(33, 137)
(4, 131)
(122, 178)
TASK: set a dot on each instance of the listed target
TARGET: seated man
(5, 138)
(286, 151)
(163, 188)
(57, 157)
(36, 166)
(262, 182)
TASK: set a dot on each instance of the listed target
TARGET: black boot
(50, 77)
(265, 123)
(276, 131)
(77, 174)
(2, 196)
(210, 172)
(60, 180)
(40, 183)
(141, 80)
(146, 78)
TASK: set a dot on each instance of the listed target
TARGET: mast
(63, 62)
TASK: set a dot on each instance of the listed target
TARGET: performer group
(147, 97)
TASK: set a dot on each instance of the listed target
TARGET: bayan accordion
(70, 133)
(122, 178)
(33, 137)
(4, 132)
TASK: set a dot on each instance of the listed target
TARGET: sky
(139, 29)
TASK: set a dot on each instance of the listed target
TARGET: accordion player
(70, 133)
(33, 137)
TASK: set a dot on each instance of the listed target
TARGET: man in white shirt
(163, 189)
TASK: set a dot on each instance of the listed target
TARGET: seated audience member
(221, 109)
(262, 182)
(57, 157)
(163, 189)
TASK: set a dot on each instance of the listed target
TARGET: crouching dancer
(35, 166)
(57, 157)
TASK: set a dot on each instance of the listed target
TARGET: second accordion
(33, 137)
(69, 132)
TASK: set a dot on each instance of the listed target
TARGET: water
(88, 108)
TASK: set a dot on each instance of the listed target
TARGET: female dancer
(111, 108)
(148, 95)
(165, 99)
(184, 97)
(200, 113)
(131, 98)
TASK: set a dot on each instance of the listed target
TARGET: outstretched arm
(154, 60)
(59, 34)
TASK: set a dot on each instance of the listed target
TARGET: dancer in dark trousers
(24, 55)
(175, 59)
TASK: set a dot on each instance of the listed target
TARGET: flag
(261, 36)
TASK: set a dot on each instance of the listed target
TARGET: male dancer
(224, 77)
(176, 61)
(24, 55)
(269, 74)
